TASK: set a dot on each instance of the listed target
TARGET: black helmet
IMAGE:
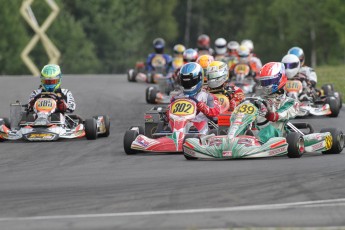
(158, 45)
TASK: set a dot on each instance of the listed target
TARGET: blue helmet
(191, 78)
(298, 52)
(158, 45)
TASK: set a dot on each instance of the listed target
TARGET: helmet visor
(188, 81)
(50, 81)
(292, 65)
(270, 80)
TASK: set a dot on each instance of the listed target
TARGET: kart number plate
(242, 69)
(247, 109)
(223, 102)
(328, 142)
(182, 108)
(293, 86)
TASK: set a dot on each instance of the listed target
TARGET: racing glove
(272, 116)
(62, 106)
(232, 105)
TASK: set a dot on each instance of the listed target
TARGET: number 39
(246, 109)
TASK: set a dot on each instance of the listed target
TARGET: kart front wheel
(128, 139)
(334, 106)
(91, 129)
(151, 94)
(5, 121)
(295, 145)
(337, 140)
(107, 126)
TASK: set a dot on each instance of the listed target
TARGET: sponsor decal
(246, 142)
(149, 120)
(317, 146)
(227, 153)
(142, 141)
(277, 151)
(41, 136)
(189, 152)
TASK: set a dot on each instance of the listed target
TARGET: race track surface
(81, 184)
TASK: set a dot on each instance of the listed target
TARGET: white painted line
(304, 204)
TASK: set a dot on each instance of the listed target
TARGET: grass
(334, 75)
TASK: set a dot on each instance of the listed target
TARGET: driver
(191, 77)
(158, 45)
(50, 82)
(217, 75)
(280, 108)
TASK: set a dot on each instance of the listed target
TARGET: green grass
(334, 75)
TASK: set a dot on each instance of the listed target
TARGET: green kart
(244, 138)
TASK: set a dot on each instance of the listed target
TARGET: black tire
(151, 93)
(328, 89)
(91, 129)
(129, 137)
(131, 73)
(339, 97)
(334, 106)
(140, 128)
(190, 158)
(337, 140)
(295, 145)
(107, 126)
(6, 122)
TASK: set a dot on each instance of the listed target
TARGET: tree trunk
(313, 47)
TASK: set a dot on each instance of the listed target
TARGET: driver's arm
(288, 111)
(211, 108)
(32, 97)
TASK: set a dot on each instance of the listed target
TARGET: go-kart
(243, 77)
(160, 135)
(240, 141)
(311, 103)
(163, 93)
(43, 123)
(139, 74)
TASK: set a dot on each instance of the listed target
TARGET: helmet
(51, 77)
(190, 55)
(217, 74)
(220, 46)
(158, 45)
(191, 78)
(205, 60)
(233, 46)
(179, 49)
(249, 44)
(203, 41)
(243, 52)
(292, 65)
(272, 77)
(298, 52)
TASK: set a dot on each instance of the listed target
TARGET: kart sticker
(45, 104)
(158, 61)
(223, 102)
(293, 86)
(246, 108)
(182, 108)
(46, 136)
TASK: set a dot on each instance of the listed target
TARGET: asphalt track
(81, 184)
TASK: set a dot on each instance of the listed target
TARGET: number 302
(182, 107)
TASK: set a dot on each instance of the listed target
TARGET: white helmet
(233, 46)
(217, 74)
(220, 45)
(249, 44)
(292, 65)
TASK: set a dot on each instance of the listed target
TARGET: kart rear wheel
(339, 96)
(91, 129)
(128, 139)
(131, 75)
(337, 140)
(334, 106)
(295, 145)
(328, 89)
(107, 126)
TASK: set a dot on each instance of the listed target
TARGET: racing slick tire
(295, 145)
(129, 137)
(131, 75)
(151, 93)
(6, 122)
(339, 97)
(190, 158)
(91, 129)
(337, 140)
(328, 89)
(107, 126)
(334, 106)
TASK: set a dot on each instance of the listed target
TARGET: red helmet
(203, 41)
(272, 77)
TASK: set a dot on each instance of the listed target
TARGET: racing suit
(233, 93)
(309, 73)
(63, 94)
(207, 107)
(271, 120)
(167, 58)
(202, 51)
